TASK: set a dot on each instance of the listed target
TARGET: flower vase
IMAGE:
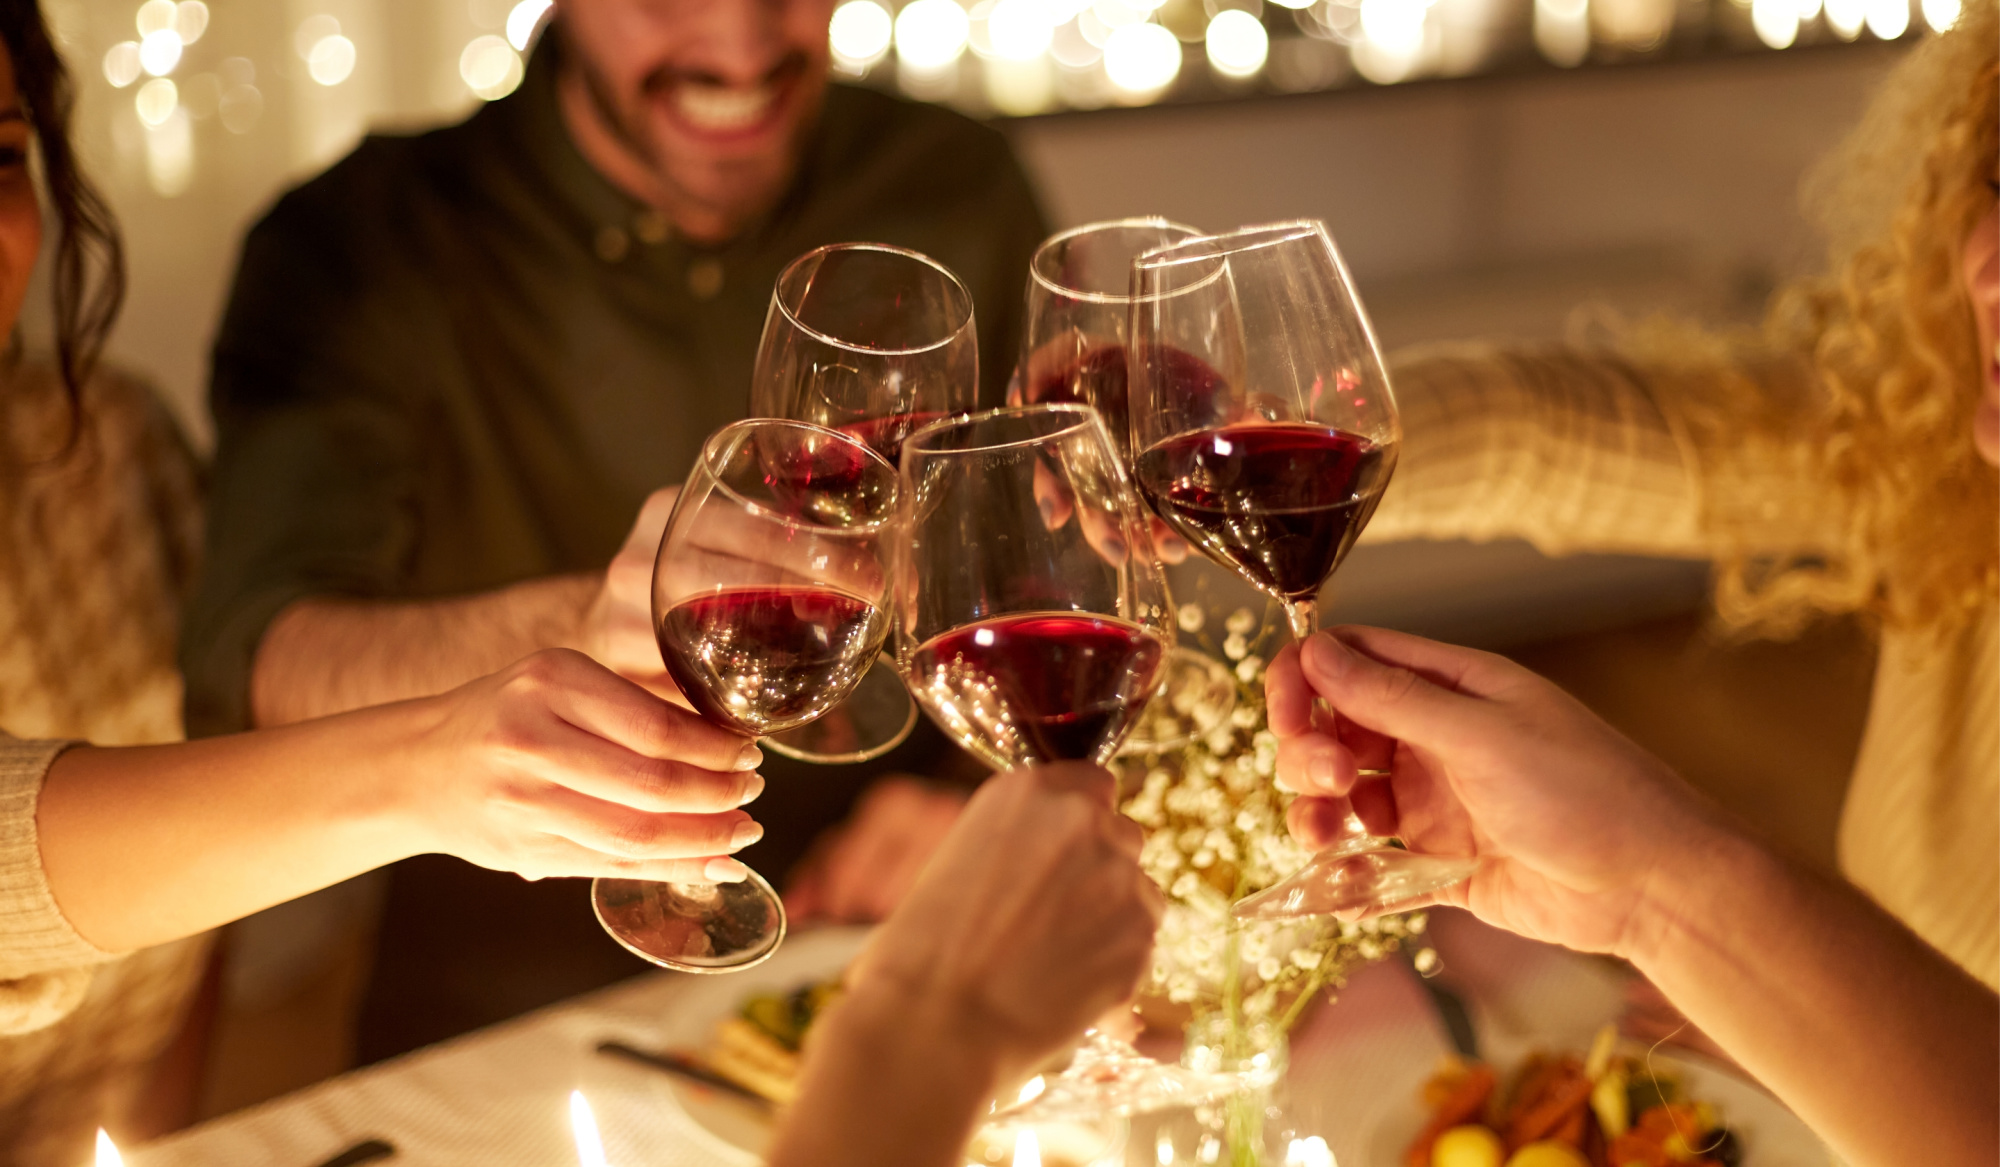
(1252, 1127)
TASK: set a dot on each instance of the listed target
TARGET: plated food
(758, 1046)
(1602, 1109)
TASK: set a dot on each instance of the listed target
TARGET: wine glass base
(1358, 883)
(692, 927)
(869, 722)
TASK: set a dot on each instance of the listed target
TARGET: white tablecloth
(500, 1096)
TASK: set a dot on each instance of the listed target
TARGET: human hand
(859, 870)
(618, 627)
(557, 766)
(1575, 822)
(1031, 920)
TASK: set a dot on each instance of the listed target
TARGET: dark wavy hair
(88, 273)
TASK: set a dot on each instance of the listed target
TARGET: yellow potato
(1547, 1155)
(1467, 1146)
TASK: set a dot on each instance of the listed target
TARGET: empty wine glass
(1265, 433)
(1031, 616)
(874, 341)
(768, 603)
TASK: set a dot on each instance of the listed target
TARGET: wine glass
(1073, 349)
(1266, 432)
(768, 602)
(1032, 619)
(874, 341)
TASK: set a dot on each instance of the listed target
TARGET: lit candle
(1027, 1150)
(589, 1147)
(107, 1151)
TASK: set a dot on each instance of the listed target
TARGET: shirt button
(612, 244)
(705, 278)
(650, 227)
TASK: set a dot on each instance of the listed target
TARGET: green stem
(1313, 985)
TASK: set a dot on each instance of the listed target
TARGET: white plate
(733, 1130)
(1771, 1135)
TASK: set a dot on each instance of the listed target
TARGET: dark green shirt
(462, 359)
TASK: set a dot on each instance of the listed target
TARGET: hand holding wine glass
(1265, 432)
(768, 605)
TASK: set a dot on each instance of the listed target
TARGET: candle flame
(1027, 1150)
(589, 1147)
(107, 1151)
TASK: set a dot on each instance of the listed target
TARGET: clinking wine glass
(1265, 433)
(1079, 304)
(873, 341)
(769, 599)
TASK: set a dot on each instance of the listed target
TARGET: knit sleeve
(1582, 451)
(44, 965)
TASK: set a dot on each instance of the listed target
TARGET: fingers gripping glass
(873, 341)
(1031, 615)
(769, 596)
(1265, 433)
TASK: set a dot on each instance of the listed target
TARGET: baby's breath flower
(1268, 968)
(1241, 622)
(1191, 617)
(1235, 647)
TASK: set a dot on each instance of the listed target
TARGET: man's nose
(739, 42)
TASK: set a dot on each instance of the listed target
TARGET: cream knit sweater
(96, 550)
(1574, 452)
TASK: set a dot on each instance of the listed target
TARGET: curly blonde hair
(1868, 376)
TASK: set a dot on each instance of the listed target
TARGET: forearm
(142, 845)
(323, 656)
(885, 1082)
(1881, 1044)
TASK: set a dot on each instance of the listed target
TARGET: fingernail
(725, 871)
(749, 759)
(1329, 654)
(747, 832)
(1321, 772)
(753, 785)
(1048, 506)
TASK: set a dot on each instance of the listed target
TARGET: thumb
(651, 525)
(1387, 698)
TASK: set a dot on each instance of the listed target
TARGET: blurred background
(1489, 168)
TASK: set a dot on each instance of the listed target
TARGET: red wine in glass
(767, 659)
(1282, 503)
(1040, 686)
(885, 435)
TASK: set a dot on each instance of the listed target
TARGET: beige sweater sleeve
(1580, 451)
(44, 965)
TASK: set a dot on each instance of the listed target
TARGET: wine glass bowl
(1032, 618)
(868, 339)
(769, 602)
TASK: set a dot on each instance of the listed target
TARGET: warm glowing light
(1776, 22)
(1033, 1087)
(1027, 1148)
(1941, 14)
(1020, 30)
(156, 101)
(107, 1151)
(1163, 1150)
(155, 16)
(1142, 58)
(190, 20)
(160, 51)
(1237, 43)
(1808, 9)
(1299, 4)
(931, 34)
(1562, 31)
(312, 30)
(121, 64)
(1020, 88)
(1395, 27)
(860, 33)
(240, 108)
(1117, 13)
(331, 60)
(490, 67)
(582, 1123)
(1888, 19)
(522, 20)
(170, 154)
(1309, 1152)
(1846, 17)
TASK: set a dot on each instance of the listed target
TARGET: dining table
(501, 1095)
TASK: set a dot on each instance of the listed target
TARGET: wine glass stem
(1352, 836)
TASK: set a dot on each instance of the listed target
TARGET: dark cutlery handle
(365, 1152)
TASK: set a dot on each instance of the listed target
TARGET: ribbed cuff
(35, 937)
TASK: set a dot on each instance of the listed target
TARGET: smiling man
(455, 365)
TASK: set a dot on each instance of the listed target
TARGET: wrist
(385, 765)
(1687, 892)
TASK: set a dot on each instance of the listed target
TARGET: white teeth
(713, 107)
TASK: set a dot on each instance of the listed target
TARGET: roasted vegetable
(1461, 1097)
(1548, 1155)
(1467, 1146)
